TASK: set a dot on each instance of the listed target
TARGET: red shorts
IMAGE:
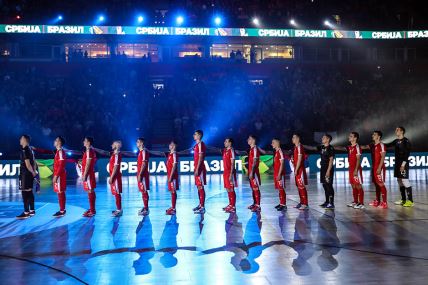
(255, 182)
(144, 184)
(227, 183)
(116, 186)
(299, 179)
(354, 180)
(61, 184)
(201, 179)
(173, 185)
(90, 183)
(280, 184)
(378, 178)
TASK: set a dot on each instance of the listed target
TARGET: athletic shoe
(251, 206)
(359, 206)
(59, 214)
(329, 206)
(256, 208)
(304, 207)
(352, 204)
(86, 213)
(298, 206)
(200, 211)
(89, 214)
(281, 208)
(400, 202)
(196, 208)
(383, 205)
(224, 208)
(323, 205)
(170, 211)
(117, 213)
(408, 204)
(32, 213)
(143, 212)
(23, 216)
(375, 203)
(277, 206)
(231, 210)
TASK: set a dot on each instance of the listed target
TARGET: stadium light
(217, 21)
(293, 22)
(327, 23)
(179, 20)
(59, 18)
(101, 18)
(140, 19)
(18, 17)
(256, 21)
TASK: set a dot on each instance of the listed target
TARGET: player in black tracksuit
(402, 149)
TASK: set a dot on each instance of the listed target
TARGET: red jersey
(59, 163)
(228, 156)
(171, 160)
(143, 156)
(353, 152)
(115, 159)
(199, 149)
(89, 154)
(277, 161)
(298, 150)
(254, 159)
(378, 149)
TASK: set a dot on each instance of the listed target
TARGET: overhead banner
(209, 32)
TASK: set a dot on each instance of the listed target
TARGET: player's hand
(169, 180)
(250, 176)
(231, 179)
(109, 180)
(355, 174)
(278, 178)
(327, 174)
(139, 178)
(402, 168)
(55, 179)
(378, 171)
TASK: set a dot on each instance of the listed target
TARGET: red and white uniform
(354, 151)
(143, 156)
(378, 150)
(170, 162)
(278, 159)
(228, 157)
(254, 160)
(59, 171)
(300, 176)
(199, 151)
(91, 157)
(116, 180)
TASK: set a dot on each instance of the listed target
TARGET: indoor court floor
(344, 246)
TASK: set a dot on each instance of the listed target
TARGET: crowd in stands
(116, 101)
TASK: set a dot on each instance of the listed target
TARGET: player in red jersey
(200, 172)
(279, 173)
(143, 175)
(172, 173)
(355, 170)
(229, 174)
(254, 173)
(88, 175)
(300, 176)
(59, 180)
(115, 179)
(378, 151)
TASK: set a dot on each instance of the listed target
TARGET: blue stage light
(140, 19)
(59, 18)
(179, 20)
(217, 21)
(101, 18)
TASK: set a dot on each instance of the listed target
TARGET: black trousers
(28, 199)
(327, 185)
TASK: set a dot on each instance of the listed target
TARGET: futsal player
(355, 170)
(88, 175)
(200, 172)
(143, 175)
(378, 151)
(115, 179)
(402, 149)
(327, 155)
(59, 180)
(300, 176)
(172, 173)
(229, 174)
(279, 173)
(27, 175)
(254, 173)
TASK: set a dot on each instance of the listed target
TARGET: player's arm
(358, 163)
(407, 148)
(60, 167)
(299, 163)
(340, 148)
(42, 151)
(365, 147)
(101, 151)
(232, 163)
(174, 168)
(158, 153)
(382, 160)
(281, 168)
(73, 152)
(214, 149)
(88, 162)
(128, 153)
(30, 167)
(115, 168)
(390, 145)
(262, 151)
(185, 151)
(200, 160)
(309, 147)
(330, 167)
(241, 152)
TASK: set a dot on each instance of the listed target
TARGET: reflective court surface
(344, 246)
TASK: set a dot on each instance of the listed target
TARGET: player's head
(228, 142)
(252, 140)
(400, 131)
(24, 140)
(198, 135)
(59, 142)
(140, 142)
(276, 143)
(326, 139)
(116, 145)
(295, 139)
(88, 141)
(377, 136)
(172, 145)
(353, 137)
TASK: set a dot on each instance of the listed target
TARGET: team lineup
(28, 177)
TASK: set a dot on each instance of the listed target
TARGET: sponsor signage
(209, 32)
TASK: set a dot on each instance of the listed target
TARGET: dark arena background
(122, 70)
